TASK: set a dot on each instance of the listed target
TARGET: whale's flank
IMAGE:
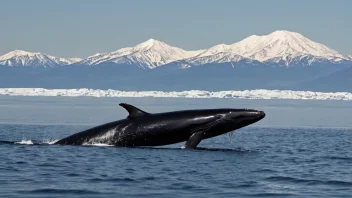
(145, 129)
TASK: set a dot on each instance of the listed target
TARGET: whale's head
(232, 119)
(241, 116)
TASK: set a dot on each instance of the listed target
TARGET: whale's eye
(218, 116)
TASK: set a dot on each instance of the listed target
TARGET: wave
(308, 181)
(46, 142)
(50, 142)
(6, 142)
(30, 142)
(247, 94)
(60, 191)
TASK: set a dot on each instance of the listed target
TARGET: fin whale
(146, 129)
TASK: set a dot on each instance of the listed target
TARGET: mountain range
(36, 59)
(279, 60)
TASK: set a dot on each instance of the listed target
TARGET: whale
(141, 128)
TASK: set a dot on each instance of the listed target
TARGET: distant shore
(246, 94)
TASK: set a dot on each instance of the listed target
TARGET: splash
(34, 142)
(25, 142)
(230, 136)
(50, 142)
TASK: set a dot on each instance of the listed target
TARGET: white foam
(24, 142)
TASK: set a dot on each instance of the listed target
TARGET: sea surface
(300, 149)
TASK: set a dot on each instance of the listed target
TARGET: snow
(276, 47)
(247, 94)
(24, 58)
(148, 55)
(73, 60)
(221, 57)
(281, 44)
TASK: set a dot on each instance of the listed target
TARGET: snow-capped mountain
(72, 60)
(277, 47)
(220, 57)
(149, 54)
(255, 62)
(287, 46)
(282, 44)
(30, 59)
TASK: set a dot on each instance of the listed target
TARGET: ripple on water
(349, 159)
(272, 194)
(60, 191)
(265, 162)
(125, 179)
(264, 170)
(308, 181)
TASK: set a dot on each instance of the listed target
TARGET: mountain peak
(286, 35)
(277, 46)
(151, 43)
(281, 46)
(281, 43)
(149, 54)
(283, 32)
(17, 53)
(33, 59)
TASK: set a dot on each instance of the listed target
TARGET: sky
(80, 28)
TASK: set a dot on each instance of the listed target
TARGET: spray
(230, 136)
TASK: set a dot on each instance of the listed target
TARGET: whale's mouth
(250, 118)
(261, 115)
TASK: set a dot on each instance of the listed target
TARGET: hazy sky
(79, 28)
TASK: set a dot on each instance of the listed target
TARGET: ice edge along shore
(246, 94)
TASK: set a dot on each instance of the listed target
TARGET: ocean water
(301, 149)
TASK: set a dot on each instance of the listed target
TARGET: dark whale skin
(144, 129)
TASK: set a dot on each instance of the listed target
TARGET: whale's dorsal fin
(133, 111)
